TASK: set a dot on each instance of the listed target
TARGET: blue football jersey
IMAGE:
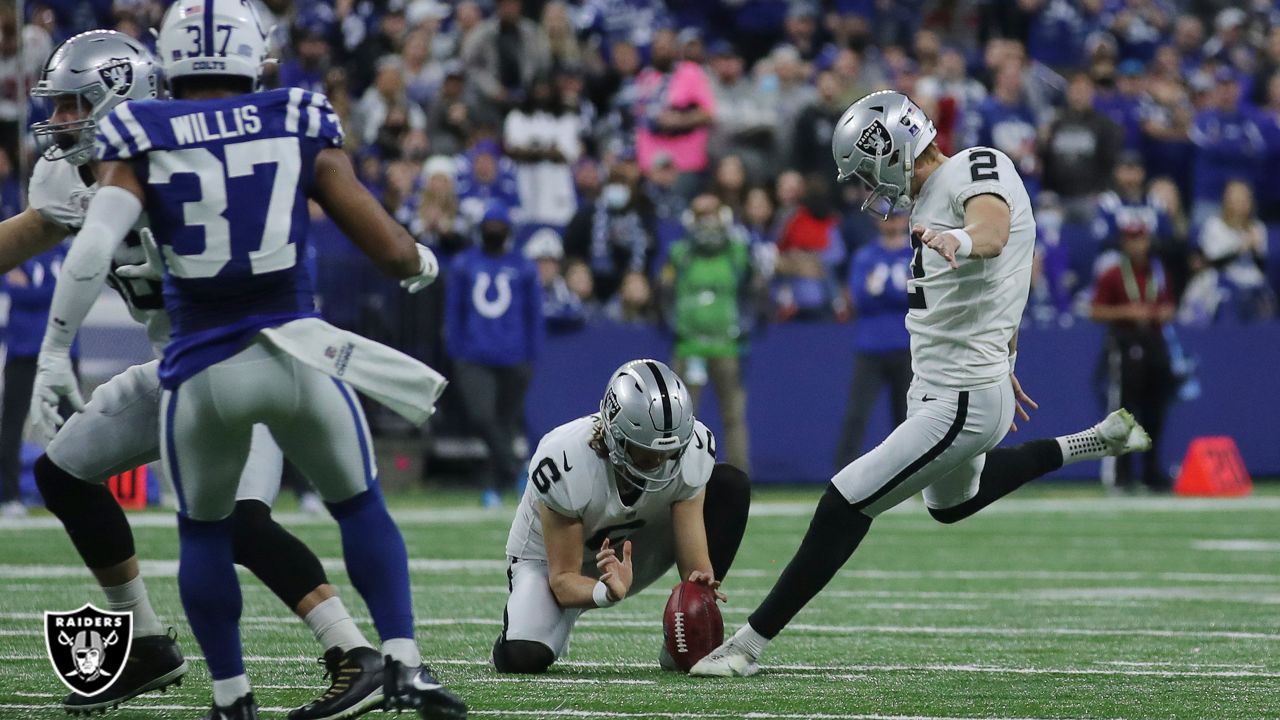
(226, 183)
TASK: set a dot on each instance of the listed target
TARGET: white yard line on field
(679, 715)
(1237, 545)
(565, 713)
(824, 670)
(623, 620)
(496, 567)
(135, 708)
(1008, 506)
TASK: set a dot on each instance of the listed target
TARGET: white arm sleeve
(111, 215)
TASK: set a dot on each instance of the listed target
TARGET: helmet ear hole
(893, 159)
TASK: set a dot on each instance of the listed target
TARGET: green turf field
(1056, 603)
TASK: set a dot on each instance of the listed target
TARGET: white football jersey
(58, 192)
(571, 479)
(961, 320)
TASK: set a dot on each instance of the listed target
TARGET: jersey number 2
(982, 166)
(915, 298)
(209, 211)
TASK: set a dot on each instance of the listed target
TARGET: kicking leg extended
(1000, 472)
(839, 526)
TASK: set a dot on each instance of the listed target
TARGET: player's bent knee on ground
(522, 657)
(92, 517)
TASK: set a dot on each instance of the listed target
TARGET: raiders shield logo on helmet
(875, 139)
(118, 76)
(88, 647)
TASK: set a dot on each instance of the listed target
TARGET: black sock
(834, 533)
(724, 512)
(1005, 470)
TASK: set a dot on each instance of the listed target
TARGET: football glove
(54, 380)
(150, 269)
(428, 269)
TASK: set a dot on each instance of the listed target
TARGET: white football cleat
(1122, 434)
(728, 660)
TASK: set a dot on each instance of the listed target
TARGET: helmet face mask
(84, 78)
(877, 140)
(647, 422)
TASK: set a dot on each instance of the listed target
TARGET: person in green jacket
(709, 291)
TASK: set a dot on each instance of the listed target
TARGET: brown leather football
(691, 625)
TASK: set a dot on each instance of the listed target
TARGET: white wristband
(966, 242)
(1013, 361)
(600, 594)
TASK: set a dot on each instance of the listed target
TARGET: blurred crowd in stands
(597, 122)
(651, 162)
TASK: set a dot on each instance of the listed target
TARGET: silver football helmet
(647, 418)
(877, 140)
(99, 69)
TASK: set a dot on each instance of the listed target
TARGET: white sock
(226, 692)
(404, 650)
(1086, 445)
(750, 640)
(333, 626)
(132, 596)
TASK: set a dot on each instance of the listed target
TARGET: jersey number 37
(274, 251)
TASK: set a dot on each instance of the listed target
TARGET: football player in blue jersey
(117, 429)
(224, 174)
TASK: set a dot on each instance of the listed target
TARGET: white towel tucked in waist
(408, 387)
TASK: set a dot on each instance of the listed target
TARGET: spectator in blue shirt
(493, 331)
(1057, 34)
(1120, 98)
(562, 309)
(307, 65)
(1127, 204)
(483, 175)
(30, 288)
(1228, 146)
(878, 286)
(1005, 121)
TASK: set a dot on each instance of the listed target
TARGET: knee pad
(91, 516)
(523, 657)
(281, 561)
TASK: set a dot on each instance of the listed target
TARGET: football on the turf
(691, 625)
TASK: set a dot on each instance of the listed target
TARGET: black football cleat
(244, 708)
(155, 662)
(416, 688)
(355, 686)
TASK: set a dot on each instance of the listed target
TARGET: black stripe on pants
(962, 414)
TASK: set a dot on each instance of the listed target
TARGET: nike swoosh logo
(567, 466)
(424, 686)
(926, 398)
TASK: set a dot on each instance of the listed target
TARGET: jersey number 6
(545, 473)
